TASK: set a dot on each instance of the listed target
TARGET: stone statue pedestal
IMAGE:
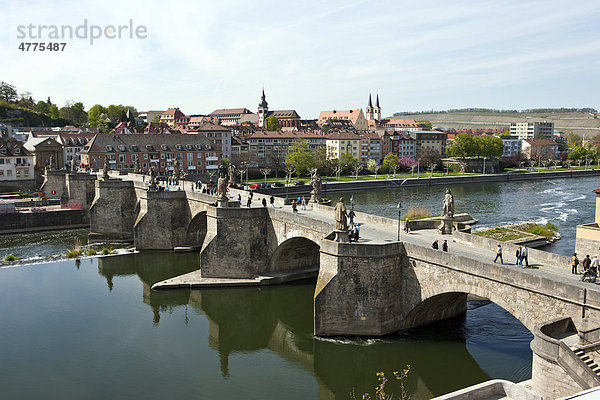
(341, 236)
(447, 225)
(223, 203)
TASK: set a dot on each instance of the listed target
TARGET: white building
(512, 145)
(16, 163)
(530, 130)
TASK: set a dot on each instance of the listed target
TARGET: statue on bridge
(222, 189)
(315, 194)
(231, 172)
(138, 169)
(152, 183)
(176, 172)
(105, 168)
(448, 204)
(341, 216)
(447, 214)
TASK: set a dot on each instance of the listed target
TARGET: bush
(73, 253)
(105, 251)
(91, 252)
(10, 257)
(418, 212)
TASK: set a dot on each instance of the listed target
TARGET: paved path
(370, 233)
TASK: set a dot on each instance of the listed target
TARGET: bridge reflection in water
(280, 320)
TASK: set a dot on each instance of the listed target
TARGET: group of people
(590, 265)
(435, 245)
(521, 255)
(302, 201)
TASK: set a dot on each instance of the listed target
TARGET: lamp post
(399, 206)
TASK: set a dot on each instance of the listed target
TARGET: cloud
(310, 55)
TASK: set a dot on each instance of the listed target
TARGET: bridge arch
(196, 230)
(447, 300)
(295, 253)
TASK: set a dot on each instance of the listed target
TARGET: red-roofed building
(544, 149)
(172, 117)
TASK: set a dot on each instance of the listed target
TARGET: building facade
(544, 149)
(512, 145)
(356, 117)
(195, 153)
(16, 162)
(429, 140)
(531, 130)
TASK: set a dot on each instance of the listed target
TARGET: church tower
(377, 110)
(369, 114)
(263, 109)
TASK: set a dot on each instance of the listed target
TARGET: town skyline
(315, 56)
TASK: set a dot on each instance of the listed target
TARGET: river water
(93, 329)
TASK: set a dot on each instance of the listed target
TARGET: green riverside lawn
(422, 175)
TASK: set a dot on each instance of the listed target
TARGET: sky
(311, 55)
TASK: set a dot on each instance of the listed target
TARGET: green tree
(373, 166)
(299, 157)
(8, 92)
(273, 123)
(114, 113)
(390, 162)
(578, 153)
(462, 146)
(74, 113)
(96, 114)
(489, 146)
(42, 107)
(348, 162)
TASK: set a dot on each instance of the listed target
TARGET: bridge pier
(54, 185)
(236, 243)
(113, 211)
(162, 222)
(80, 189)
(358, 290)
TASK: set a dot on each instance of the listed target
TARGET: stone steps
(587, 360)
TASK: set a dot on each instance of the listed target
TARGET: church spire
(377, 101)
(263, 101)
(370, 102)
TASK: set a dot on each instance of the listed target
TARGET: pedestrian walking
(272, 201)
(594, 265)
(355, 231)
(499, 254)
(445, 245)
(351, 216)
(249, 201)
(264, 202)
(587, 261)
(524, 254)
(435, 245)
(251, 194)
(294, 206)
(240, 198)
(519, 261)
(574, 263)
(303, 203)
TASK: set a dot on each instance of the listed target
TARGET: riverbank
(430, 181)
(54, 218)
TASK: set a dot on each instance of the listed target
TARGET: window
(145, 156)
(121, 158)
(190, 163)
(162, 164)
(190, 156)
(144, 165)
(162, 156)
(121, 148)
(199, 163)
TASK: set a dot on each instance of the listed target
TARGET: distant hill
(17, 116)
(584, 122)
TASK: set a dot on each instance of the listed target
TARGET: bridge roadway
(372, 233)
(380, 234)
